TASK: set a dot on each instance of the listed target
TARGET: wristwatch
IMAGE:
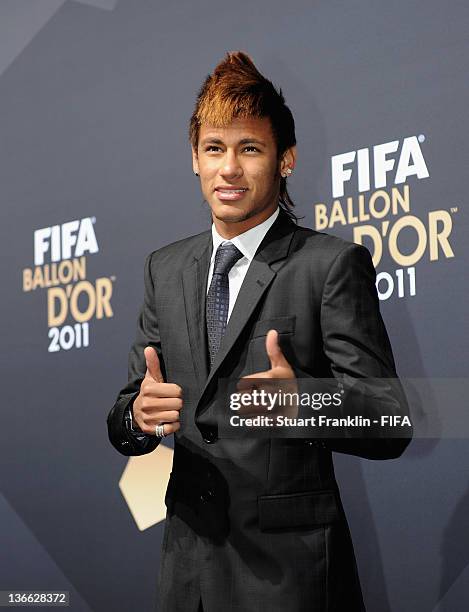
(130, 425)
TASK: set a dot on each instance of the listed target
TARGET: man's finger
(156, 390)
(274, 352)
(153, 364)
(266, 374)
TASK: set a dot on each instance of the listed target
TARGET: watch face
(129, 424)
(128, 419)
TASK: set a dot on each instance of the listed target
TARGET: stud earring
(196, 173)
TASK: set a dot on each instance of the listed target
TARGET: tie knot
(225, 258)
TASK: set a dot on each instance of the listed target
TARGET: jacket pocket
(258, 360)
(308, 509)
(284, 325)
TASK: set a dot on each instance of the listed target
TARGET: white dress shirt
(248, 243)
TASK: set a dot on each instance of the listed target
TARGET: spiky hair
(236, 89)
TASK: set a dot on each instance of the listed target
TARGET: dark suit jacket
(258, 523)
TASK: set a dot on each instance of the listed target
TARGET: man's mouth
(230, 193)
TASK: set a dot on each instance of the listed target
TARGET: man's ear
(288, 160)
(195, 161)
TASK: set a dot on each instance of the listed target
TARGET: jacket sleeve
(147, 335)
(357, 345)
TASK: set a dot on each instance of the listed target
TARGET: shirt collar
(248, 242)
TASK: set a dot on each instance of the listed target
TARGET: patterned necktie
(218, 296)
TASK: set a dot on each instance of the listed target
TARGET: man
(252, 523)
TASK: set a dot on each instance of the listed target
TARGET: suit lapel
(269, 257)
(194, 280)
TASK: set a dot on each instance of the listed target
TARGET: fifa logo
(378, 209)
(60, 266)
(411, 162)
(71, 239)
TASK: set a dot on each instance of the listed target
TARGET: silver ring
(159, 431)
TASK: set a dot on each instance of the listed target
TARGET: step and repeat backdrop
(95, 172)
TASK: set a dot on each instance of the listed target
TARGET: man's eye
(211, 147)
(251, 147)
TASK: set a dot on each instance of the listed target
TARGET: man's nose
(231, 167)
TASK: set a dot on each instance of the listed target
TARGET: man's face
(239, 173)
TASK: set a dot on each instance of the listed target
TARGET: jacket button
(205, 497)
(209, 436)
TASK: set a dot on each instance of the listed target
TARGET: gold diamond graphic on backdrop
(143, 484)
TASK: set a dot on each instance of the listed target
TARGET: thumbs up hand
(279, 369)
(158, 401)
